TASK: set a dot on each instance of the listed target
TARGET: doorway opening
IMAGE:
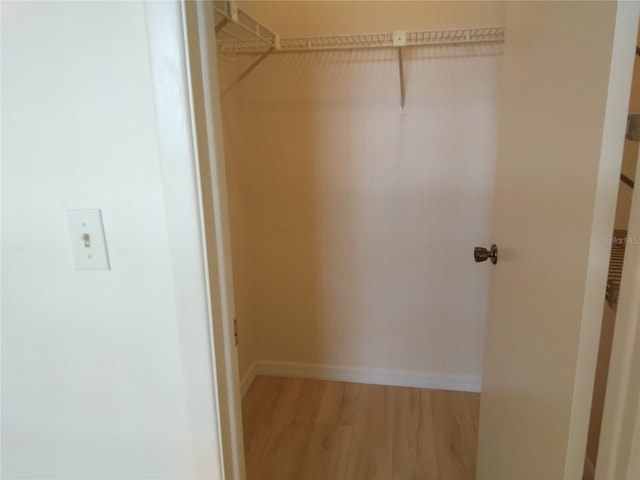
(343, 152)
(304, 193)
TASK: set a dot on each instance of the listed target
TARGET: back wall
(353, 222)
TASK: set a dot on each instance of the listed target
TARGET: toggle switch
(87, 239)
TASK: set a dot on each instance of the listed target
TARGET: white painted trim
(179, 165)
(396, 378)
(248, 378)
(205, 106)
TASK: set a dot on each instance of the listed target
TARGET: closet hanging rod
(421, 38)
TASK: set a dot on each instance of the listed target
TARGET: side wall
(105, 374)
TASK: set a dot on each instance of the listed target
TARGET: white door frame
(200, 46)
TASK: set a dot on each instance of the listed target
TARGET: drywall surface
(354, 222)
(100, 368)
(305, 18)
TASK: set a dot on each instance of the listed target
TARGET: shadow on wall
(353, 222)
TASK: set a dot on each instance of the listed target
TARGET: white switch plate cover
(87, 239)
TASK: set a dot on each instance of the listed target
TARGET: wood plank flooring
(299, 429)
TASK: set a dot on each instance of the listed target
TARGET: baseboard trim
(461, 383)
(248, 378)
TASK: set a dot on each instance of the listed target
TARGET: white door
(564, 99)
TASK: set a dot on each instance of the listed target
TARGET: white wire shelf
(238, 33)
(362, 41)
(236, 26)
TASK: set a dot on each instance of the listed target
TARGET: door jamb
(200, 46)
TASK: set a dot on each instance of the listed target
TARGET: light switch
(88, 240)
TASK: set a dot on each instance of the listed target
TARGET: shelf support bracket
(400, 40)
(249, 69)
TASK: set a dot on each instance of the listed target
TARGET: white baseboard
(397, 378)
(247, 379)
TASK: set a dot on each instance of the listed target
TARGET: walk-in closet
(360, 144)
(353, 218)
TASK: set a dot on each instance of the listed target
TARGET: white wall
(318, 17)
(104, 374)
(355, 222)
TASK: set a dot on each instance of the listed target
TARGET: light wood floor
(297, 429)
